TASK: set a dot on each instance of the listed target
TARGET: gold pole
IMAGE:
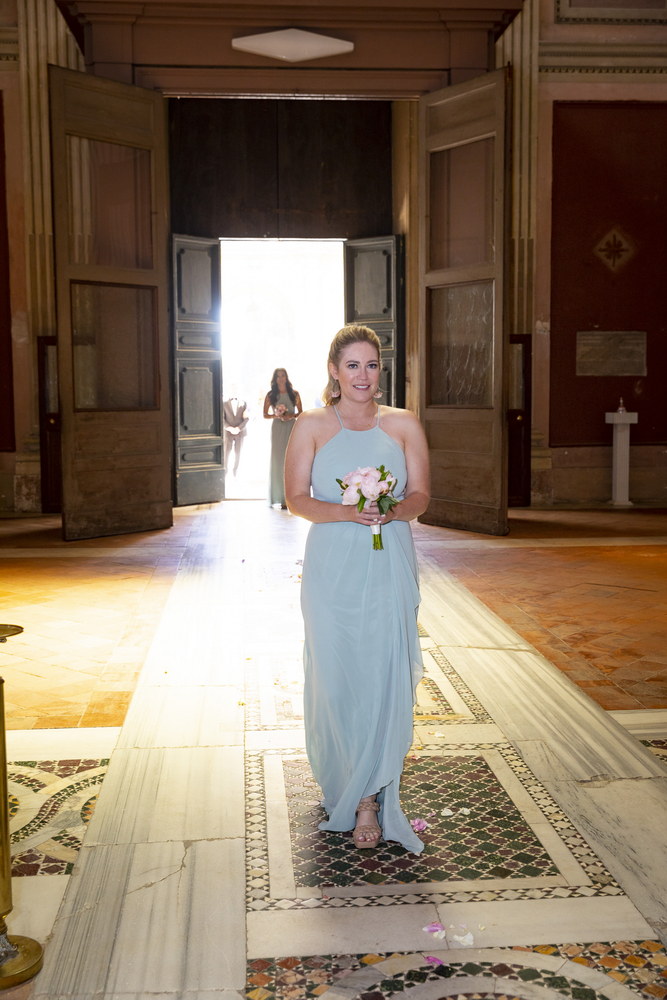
(20, 957)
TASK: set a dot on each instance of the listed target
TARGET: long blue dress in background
(362, 657)
(280, 435)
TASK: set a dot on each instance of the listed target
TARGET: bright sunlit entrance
(281, 304)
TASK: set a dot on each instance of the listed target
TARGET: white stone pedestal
(620, 470)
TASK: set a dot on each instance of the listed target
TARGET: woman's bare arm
(299, 458)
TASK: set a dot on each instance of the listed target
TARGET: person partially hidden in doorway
(235, 421)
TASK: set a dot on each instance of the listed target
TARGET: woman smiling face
(358, 372)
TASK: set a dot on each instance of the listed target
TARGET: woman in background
(282, 405)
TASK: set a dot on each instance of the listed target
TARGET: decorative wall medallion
(615, 249)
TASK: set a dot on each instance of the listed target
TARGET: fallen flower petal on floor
(464, 939)
(447, 812)
(433, 960)
(436, 929)
(419, 825)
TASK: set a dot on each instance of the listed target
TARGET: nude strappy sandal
(368, 804)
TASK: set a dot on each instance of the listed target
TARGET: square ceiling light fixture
(292, 45)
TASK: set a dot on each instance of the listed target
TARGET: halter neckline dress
(362, 657)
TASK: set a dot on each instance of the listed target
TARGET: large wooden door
(111, 256)
(200, 474)
(463, 144)
(374, 282)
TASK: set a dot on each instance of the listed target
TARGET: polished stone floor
(163, 815)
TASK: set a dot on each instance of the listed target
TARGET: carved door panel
(374, 297)
(463, 221)
(200, 473)
(110, 227)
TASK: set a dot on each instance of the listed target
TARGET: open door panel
(200, 473)
(111, 256)
(463, 143)
(374, 281)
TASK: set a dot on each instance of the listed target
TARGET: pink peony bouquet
(370, 484)
(280, 410)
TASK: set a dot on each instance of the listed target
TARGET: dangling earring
(335, 392)
(378, 394)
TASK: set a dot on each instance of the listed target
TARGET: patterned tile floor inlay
(446, 670)
(639, 966)
(432, 705)
(658, 748)
(484, 850)
(475, 798)
(50, 805)
(474, 831)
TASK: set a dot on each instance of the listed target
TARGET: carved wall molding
(375, 14)
(566, 13)
(9, 44)
(287, 82)
(518, 47)
(604, 70)
(602, 58)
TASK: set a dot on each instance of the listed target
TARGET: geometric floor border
(605, 971)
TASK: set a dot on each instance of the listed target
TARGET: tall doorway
(282, 301)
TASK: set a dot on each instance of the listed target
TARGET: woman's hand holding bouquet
(370, 484)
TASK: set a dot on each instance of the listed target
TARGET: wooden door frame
(50, 438)
(519, 442)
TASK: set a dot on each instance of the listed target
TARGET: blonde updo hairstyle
(351, 334)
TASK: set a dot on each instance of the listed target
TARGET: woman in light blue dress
(362, 658)
(282, 405)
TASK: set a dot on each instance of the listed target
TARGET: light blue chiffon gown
(280, 435)
(362, 657)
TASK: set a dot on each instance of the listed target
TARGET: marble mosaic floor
(168, 847)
